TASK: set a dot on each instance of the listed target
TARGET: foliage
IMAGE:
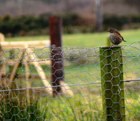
(72, 23)
(22, 25)
(119, 21)
(34, 24)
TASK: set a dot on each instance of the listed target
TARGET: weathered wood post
(112, 83)
(11, 57)
(56, 54)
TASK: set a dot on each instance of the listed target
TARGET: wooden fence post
(112, 83)
(11, 57)
(56, 54)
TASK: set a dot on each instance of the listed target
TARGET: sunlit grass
(85, 40)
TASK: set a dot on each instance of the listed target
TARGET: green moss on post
(112, 83)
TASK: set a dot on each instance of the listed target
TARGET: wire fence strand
(26, 85)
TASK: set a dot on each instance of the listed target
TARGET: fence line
(80, 72)
(83, 81)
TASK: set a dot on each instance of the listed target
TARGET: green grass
(86, 105)
(86, 40)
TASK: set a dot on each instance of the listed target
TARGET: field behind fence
(28, 100)
(50, 82)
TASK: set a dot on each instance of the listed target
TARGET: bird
(115, 37)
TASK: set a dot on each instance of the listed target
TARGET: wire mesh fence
(27, 85)
(131, 76)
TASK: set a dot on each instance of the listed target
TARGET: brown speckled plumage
(115, 37)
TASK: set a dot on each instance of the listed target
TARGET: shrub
(119, 21)
(72, 23)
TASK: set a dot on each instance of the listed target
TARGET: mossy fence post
(57, 65)
(112, 83)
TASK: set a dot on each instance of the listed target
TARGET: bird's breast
(115, 39)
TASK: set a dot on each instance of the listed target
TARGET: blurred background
(30, 17)
(85, 24)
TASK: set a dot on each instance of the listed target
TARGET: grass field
(86, 104)
(86, 40)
